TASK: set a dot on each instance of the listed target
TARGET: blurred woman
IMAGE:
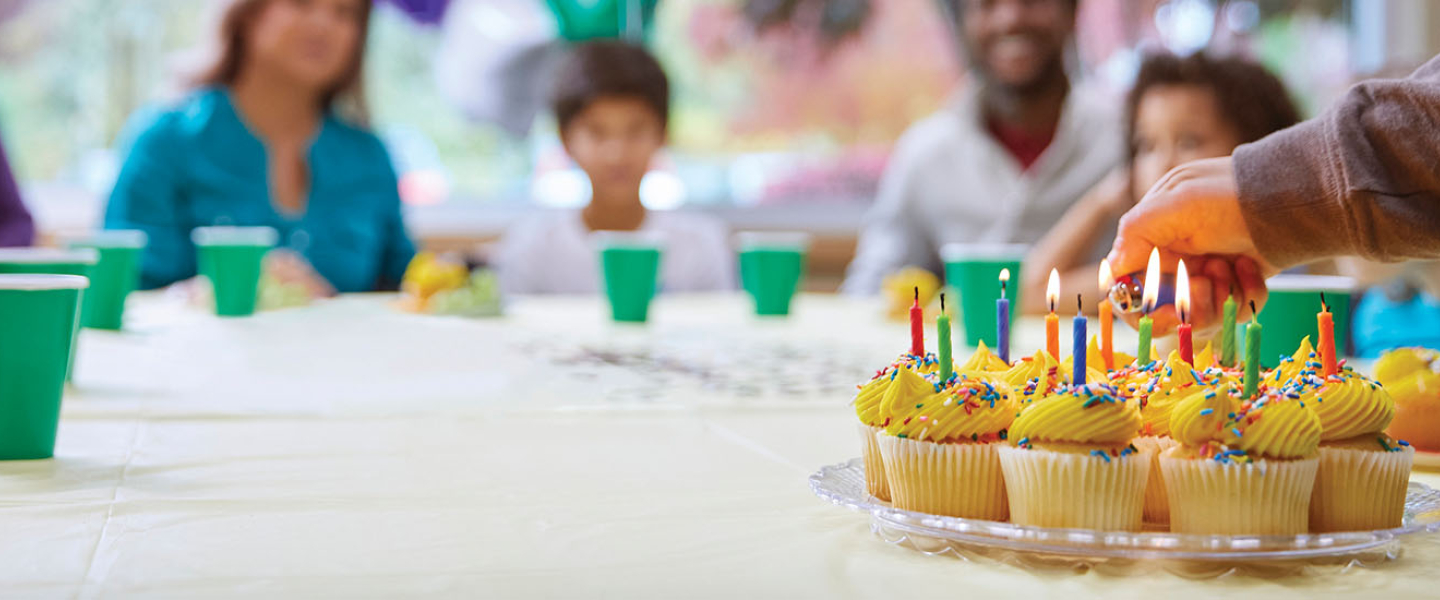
(272, 136)
(1179, 110)
(16, 226)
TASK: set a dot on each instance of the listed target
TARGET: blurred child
(611, 104)
(1180, 109)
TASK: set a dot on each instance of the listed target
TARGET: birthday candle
(1227, 333)
(1182, 306)
(1326, 323)
(917, 326)
(1052, 322)
(1150, 294)
(1002, 319)
(1252, 353)
(1078, 338)
(1107, 317)
(942, 326)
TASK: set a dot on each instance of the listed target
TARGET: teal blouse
(197, 163)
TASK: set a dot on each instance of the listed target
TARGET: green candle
(942, 325)
(1143, 355)
(1252, 354)
(1227, 333)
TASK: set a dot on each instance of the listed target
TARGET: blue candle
(1079, 338)
(1002, 320)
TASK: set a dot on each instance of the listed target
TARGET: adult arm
(16, 226)
(148, 196)
(1361, 179)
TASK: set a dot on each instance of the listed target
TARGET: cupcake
(1412, 376)
(1363, 473)
(1038, 376)
(985, 361)
(939, 450)
(1070, 461)
(1168, 385)
(868, 403)
(1246, 470)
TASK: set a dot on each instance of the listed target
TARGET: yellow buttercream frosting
(1347, 403)
(867, 400)
(1198, 418)
(1290, 367)
(1172, 383)
(1274, 426)
(1094, 414)
(971, 407)
(1040, 375)
(984, 360)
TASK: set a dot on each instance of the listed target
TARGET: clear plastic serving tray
(1121, 551)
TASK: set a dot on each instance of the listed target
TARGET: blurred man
(1005, 160)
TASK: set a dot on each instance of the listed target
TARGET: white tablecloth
(348, 450)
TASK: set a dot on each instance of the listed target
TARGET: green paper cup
(973, 270)
(772, 264)
(39, 315)
(630, 266)
(50, 261)
(232, 259)
(1289, 314)
(116, 274)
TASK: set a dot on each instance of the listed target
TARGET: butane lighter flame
(1151, 294)
(1107, 280)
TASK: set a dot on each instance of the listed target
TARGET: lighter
(1127, 292)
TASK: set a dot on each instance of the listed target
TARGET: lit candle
(1052, 322)
(1327, 337)
(1148, 297)
(917, 326)
(1078, 341)
(1002, 319)
(942, 330)
(1227, 333)
(1107, 317)
(1182, 306)
(1252, 353)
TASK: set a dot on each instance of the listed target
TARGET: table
(349, 450)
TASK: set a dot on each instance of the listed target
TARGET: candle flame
(1005, 274)
(1151, 294)
(1182, 292)
(1107, 280)
(1052, 290)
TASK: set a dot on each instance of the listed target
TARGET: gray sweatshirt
(1361, 179)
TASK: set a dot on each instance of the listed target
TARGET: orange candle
(1052, 322)
(1107, 318)
(1326, 322)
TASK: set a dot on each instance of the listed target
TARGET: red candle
(1052, 321)
(917, 326)
(1182, 305)
(1107, 318)
(1327, 337)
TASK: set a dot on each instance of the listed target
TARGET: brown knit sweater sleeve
(1361, 179)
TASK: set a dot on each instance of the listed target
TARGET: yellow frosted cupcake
(1363, 473)
(1246, 470)
(985, 361)
(939, 450)
(1038, 376)
(868, 403)
(1072, 464)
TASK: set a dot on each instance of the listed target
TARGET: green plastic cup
(232, 259)
(50, 261)
(772, 264)
(630, 266)
(973, 270)
(39, 315)
(1289, 314)
(116, 274)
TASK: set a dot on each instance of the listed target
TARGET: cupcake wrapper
(955, 480)
(875, 480)
(1261, 498)
(1358, 490)
(1059, 489)
(1157, 505)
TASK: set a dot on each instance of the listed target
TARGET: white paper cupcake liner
(875, 481)
(1266, 497)
(1157, 505)
(955, 480)
(1060, 489)
(1358, 490)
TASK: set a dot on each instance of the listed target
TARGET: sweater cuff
(1291, 197)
